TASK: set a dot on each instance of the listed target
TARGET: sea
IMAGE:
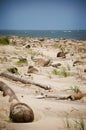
(67, 34)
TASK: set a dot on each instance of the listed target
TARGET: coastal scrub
(4, 41)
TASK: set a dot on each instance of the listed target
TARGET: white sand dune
(49, 113)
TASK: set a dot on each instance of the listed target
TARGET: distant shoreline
(58, 34)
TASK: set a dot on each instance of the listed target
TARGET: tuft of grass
(4, 41)
(56, 72)
(13, 70)
(79, 125)
(75, 89)
(22, 61)
(34, 53)
(83, 57)
(56, 45)
(63, 72)
(81, 49)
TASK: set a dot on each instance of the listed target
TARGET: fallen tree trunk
(23, 80)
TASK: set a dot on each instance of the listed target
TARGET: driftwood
(19, 112)
(23, 80)
(8, 91)
(74, 96)
(56, 96)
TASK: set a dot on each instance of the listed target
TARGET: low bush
(4, 41)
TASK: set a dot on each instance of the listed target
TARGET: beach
(56, 67)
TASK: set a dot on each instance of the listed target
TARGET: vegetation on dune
(75, 89)
(4, 41)
(34, 53)
(13, 70)
(22, 61)
(77, 125)
(62, 72)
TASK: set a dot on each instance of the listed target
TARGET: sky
(43, 14)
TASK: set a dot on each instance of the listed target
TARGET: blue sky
(42, 14)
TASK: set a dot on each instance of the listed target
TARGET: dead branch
(23, 80)
(8, 91)
(72, 97)
(56, 96)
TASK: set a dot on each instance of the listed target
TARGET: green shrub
(4, 41)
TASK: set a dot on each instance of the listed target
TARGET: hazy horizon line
(42, 29)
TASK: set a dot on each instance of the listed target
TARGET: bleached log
(72, 97)
(23, 80)
(56, 96)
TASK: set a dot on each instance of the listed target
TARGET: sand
(50, 113)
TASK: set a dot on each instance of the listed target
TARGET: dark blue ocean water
(71, 34)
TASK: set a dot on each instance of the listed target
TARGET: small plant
(79, 125)
(34, 53)
(4, 41)
(8, 120)
(83, 57)
(22, 61)
(81, 49)
(75, 89)
(13, 70)
(56, 72)
(56, 45)
(62, 72)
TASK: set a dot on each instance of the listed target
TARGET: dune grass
(77, 125)
(4, 41)
(63, 72)
(75, 89)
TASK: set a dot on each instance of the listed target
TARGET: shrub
(4, 41)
